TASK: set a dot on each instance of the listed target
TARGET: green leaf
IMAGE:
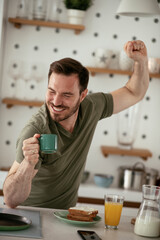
(78, 4)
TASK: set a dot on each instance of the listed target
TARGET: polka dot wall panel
(28, 52)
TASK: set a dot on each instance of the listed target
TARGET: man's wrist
(29, 164)
(141, 64)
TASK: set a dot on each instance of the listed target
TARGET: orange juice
(112, 213)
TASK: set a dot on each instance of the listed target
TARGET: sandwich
(85, 214)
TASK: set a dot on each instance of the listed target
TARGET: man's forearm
(17, 185)
(134, 90)
(139, 81)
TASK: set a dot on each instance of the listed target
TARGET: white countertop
(94, 191)
(53, 228)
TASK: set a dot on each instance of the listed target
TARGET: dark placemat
(34, 231)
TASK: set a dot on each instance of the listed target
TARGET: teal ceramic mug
(48, 143)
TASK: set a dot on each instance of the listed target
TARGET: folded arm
(136, 87)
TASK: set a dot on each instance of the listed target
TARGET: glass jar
(127, 126)
(22, 9)
(39, 9)
(54, 11)
(148, 220)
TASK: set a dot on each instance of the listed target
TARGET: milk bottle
(148, 219)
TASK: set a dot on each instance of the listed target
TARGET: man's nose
(57, 100)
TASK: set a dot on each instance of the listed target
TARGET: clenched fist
(136, 50)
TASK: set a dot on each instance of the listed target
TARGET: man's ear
(83, 95)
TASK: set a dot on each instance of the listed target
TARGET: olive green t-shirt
(59, 174)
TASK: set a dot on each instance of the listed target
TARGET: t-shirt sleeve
(108, 105)
(103, 103)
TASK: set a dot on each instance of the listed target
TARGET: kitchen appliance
(151, 176)
(133, 177)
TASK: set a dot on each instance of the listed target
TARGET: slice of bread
(80, 218)
(83, 211)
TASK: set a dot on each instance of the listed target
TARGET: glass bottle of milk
(148, 218)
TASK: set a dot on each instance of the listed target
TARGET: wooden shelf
(18, 22)
(10, 102)
(100, 201)
(94, 70)
(143, 153)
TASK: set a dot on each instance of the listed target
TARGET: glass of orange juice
(113, 208)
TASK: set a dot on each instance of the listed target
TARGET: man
(53, 180)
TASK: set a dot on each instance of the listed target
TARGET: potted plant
(76, 10)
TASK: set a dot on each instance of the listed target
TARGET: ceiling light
(138, 8)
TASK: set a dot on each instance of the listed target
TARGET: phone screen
(88, 235)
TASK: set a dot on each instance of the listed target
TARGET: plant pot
(75, 16)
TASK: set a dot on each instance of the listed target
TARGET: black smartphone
(88, 235)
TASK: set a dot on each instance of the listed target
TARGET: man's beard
(62, 117)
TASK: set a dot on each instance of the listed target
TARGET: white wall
(3, 9)
(103, 29)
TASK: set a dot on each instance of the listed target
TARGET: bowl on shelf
(85, 176)
(103, 180)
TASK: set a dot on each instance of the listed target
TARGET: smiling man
(63, 98)
(52, 181)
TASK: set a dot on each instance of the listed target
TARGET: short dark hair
(69, 66)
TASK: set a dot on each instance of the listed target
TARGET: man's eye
(67, 96)
(51, 92)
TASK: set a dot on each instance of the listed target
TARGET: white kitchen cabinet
(94, 191)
